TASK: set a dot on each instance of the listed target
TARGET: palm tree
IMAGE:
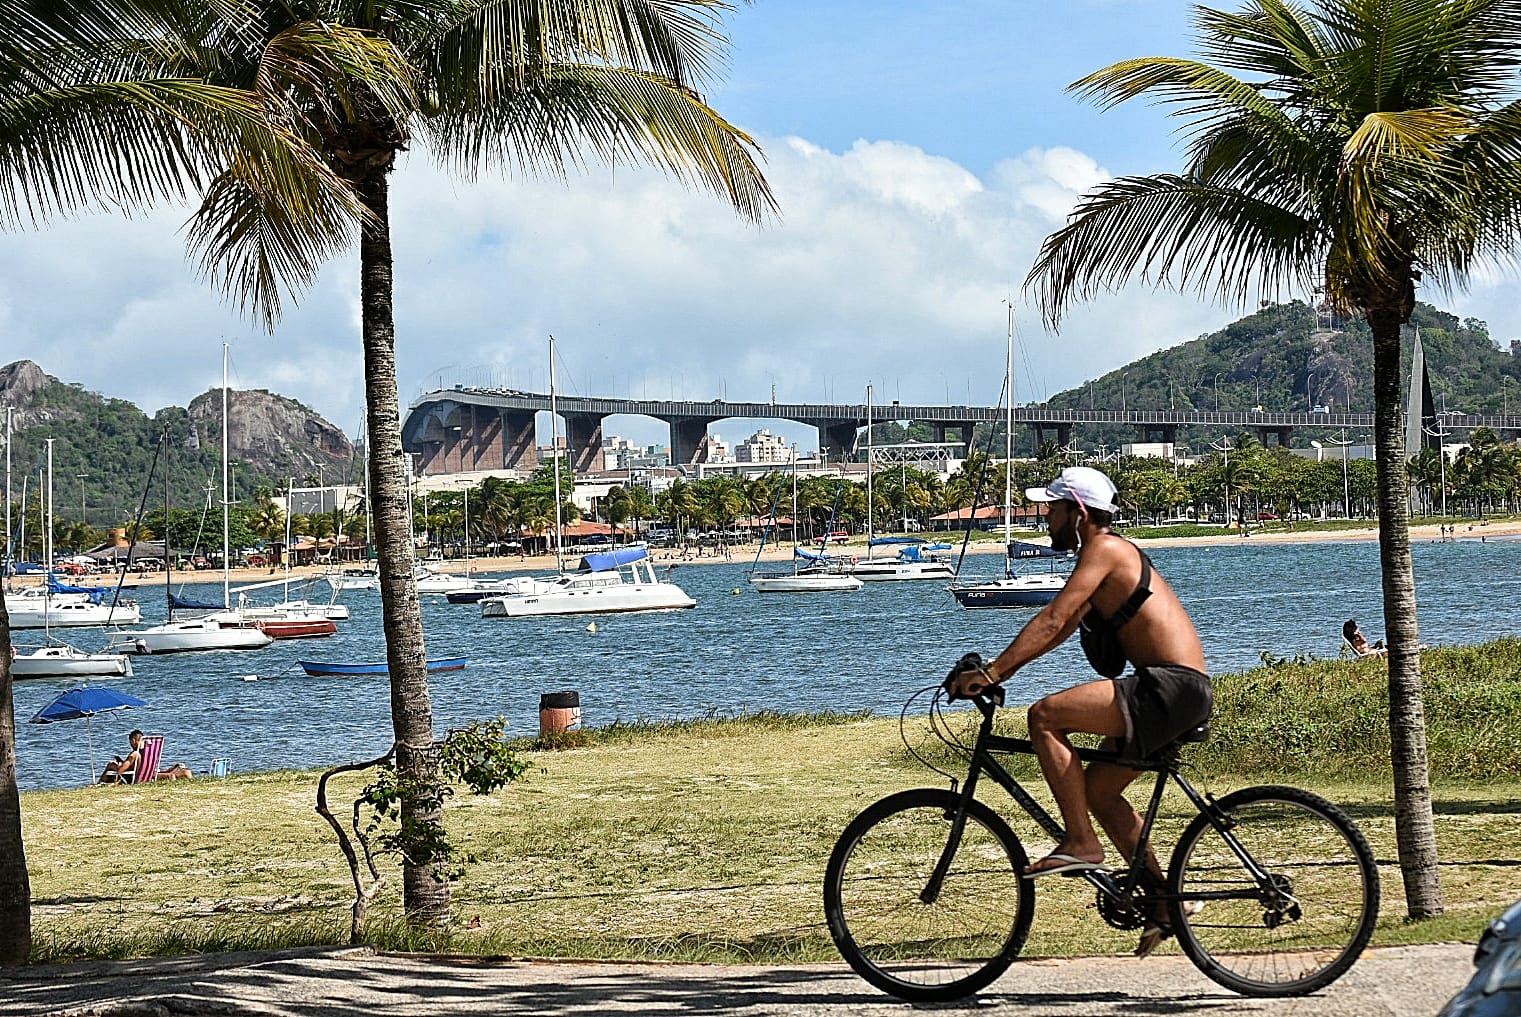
(99, 110)
(526, 84)
(1355, 145)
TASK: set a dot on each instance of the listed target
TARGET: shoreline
(745, 553)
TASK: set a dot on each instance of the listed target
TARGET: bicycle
(1270, 891)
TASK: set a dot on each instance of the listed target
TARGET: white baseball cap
(1088, 487)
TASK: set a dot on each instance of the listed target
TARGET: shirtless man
(1118, 598)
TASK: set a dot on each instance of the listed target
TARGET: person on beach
(123, 771)
(1359, 642)
(1127, 612)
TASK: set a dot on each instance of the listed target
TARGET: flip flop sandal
(1070, 865)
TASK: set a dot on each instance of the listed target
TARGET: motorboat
(516, 586)
(607, 582)
(916, 559)
(60, 660)
(189, 634)
(1028, 589)
(429, 581)
(317, 668)
(365, 578)
(63, 610)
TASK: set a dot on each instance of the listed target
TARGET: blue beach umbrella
(86, 701)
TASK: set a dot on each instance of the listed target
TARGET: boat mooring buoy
(591, 627)
(736, 591)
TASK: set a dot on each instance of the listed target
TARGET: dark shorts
(1160, 704)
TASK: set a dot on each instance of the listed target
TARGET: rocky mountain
(103, 448)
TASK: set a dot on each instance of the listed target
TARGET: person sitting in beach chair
(141, 763)
(1359, 642)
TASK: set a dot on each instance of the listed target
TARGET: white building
(763, 447)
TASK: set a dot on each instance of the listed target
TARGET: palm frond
(1171, 231)
(614, 113)
(253, 244)
(318, 73)
(496, 45)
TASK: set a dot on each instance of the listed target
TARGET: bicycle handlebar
(992, 693)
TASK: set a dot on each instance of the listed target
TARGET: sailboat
(815, 577)
(222, 630)
(610, 581)
(915, 558)
(55, 658)
(287, 620)
(1015, 589)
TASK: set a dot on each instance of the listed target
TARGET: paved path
(1393, 982)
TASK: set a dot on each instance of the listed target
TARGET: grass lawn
(695, 842)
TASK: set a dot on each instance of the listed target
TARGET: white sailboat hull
(186, 636)
(889, 570)
(69, 662)
(804, 583)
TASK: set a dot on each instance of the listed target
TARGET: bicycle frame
(983, 761)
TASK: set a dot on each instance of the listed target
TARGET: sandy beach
(745, 553)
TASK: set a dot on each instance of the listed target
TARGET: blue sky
(920, 152)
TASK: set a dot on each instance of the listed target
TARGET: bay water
(735, 652)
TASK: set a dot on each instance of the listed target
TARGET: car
(1264, 516)
(839, 536)
(1495, 988)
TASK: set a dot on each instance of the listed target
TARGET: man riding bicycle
(1127, 612)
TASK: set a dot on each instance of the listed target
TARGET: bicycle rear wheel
(951, 946)
(1298, 930)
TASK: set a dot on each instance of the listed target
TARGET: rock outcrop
(279, 434)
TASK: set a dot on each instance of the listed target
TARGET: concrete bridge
(464, 429)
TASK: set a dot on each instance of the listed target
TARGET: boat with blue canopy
(916, 558)
(607, 582)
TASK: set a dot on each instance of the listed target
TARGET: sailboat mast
(554, 451)
(226, 518)
(1008, 441)
(868, 465)
(47, 527)
(8, 433)
(290, 500)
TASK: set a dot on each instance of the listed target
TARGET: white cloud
(888, 265)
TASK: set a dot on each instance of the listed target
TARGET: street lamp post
(1346, 487)
(1440, 433)
(1224, 446)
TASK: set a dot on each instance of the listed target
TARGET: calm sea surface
(733, 652)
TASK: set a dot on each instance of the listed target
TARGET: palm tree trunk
(1415, 832)
(425, 897)
(15, 888)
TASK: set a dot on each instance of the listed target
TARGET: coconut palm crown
(1351, 146)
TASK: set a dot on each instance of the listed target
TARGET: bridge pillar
(839, 439)
(1063, 434)
(583, 441)
(686, 438)
(1283, 434)
(519, 443)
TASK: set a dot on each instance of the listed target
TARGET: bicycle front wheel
(900, 934)
(1303, 924)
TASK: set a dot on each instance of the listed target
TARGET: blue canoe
(320, 667)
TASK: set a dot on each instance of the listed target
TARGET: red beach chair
(147, 763)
